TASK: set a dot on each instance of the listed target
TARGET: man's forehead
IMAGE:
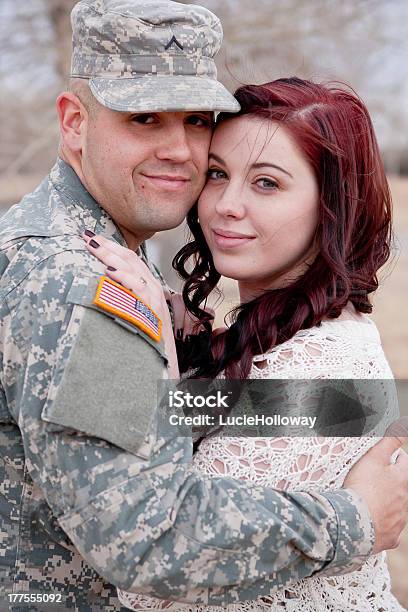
(174, 113)
(169, 115)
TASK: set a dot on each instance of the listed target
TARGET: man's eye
(199, 120)
(144, 119)
(215, 175)
(266, 183)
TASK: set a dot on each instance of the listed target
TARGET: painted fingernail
(111, 269)
(89, 233)
(94, 244)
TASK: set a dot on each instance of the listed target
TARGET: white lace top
(335, 349)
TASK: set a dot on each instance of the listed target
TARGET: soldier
(93, 497)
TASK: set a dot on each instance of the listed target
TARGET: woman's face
(259, 208)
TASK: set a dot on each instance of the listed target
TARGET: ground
(391, 318)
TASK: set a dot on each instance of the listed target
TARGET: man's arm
(83, 397)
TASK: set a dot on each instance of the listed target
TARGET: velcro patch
(123, 303)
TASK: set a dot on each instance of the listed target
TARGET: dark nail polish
(89, 233)
(111, 269)
(94, 244)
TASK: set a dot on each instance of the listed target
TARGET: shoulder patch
(123, 303)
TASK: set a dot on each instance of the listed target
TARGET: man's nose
(174, 145)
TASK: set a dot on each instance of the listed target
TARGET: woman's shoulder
(349, 346)
(356, 328)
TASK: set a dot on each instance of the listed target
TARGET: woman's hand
(126, 267)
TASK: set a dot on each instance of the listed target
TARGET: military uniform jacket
(92, 495)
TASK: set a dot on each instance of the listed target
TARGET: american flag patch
(123, 303)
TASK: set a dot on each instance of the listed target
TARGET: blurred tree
(58, 14)
(35, 44)
(360, 42)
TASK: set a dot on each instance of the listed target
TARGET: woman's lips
(167, 182)
(230, 240)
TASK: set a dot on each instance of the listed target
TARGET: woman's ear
(72, 117)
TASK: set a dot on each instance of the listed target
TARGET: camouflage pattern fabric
(143, 55)
(83, 505)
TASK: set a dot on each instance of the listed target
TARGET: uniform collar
(80, 206)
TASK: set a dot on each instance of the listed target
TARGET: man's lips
(168, 181)
(225, 239)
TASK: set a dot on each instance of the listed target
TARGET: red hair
(333, 129)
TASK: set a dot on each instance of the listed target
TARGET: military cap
(149, 55)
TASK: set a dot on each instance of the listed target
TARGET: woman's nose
(231, 203)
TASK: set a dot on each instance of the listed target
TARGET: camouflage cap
(149, 55)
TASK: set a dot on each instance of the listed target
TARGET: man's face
(145, 169)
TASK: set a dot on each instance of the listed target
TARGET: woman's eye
(144, 119)
(215, 175)
(266, 183)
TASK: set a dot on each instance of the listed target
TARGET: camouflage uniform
(92, 493)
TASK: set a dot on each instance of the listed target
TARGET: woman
(296, 209)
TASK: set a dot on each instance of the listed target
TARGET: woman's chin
(232, 271)
(237, 268)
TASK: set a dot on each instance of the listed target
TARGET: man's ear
(72, 116)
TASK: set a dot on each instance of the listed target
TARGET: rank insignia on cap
(116, 299)
(174, 41)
